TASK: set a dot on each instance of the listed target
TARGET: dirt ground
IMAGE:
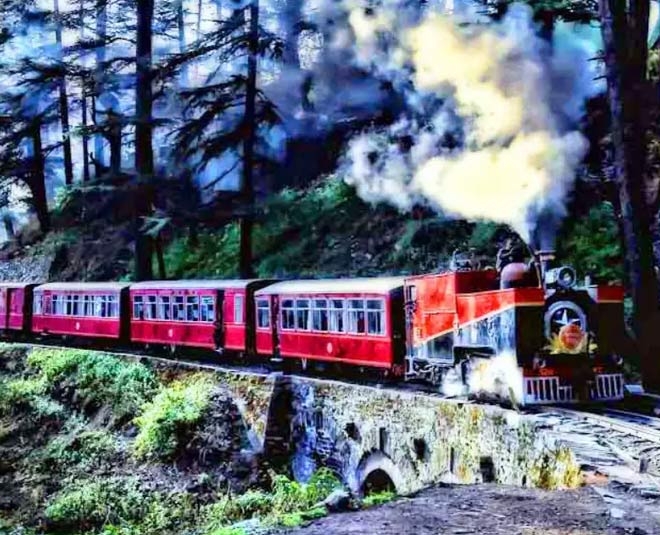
(491, 509)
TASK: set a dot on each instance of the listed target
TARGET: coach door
(4, 308)
(275, 324)
(219, 323)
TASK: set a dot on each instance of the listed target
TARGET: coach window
(75, 308)
(113, 305)
(69, 305)
(288, 315)
(138, 308)
(208, 308)
(375, 316)
(336, 314)
(302, 314)
(238, 308)
(98, 305)
(320, 315)
(192, 308)
(105, 306)
(164, 309)
(263, 313)
(356, 323)
(150, 311)
(87, 310)
(38, 304)
(179, 309)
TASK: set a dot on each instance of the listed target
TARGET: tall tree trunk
(625, 40)
(144, 155)
(181, 24)
(114, 137)
(200, 5)
(37, 182)
(64, 102)
(247, 185)
(85, 136)
(99, 76)
(83, 100)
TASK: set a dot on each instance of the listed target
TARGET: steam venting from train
(488, 130)
(498, 376)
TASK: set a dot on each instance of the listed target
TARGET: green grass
(378, 498)
(289, 504)
(167, 421)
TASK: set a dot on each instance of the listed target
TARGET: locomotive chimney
(545, 258)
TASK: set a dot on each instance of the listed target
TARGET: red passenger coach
(91, 309)
(211, 314)
(15, 306)
(352, 321)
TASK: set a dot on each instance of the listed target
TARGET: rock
(617, 513)
(338, 500)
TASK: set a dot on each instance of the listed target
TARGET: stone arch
(375, 467)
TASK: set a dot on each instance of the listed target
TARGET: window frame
(319, 311)
(192, 303)
(207, 308)
(239, 319)
(381, 312)
(288, 309)
(164, 303)
(259, 307)
(38, 304)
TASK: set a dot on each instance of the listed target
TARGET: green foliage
(290, 504)
(30, 395)
(295, 218)
(592, 244)
(229, 530)
(88, 504)
(97, 378)
(322, 483)
(120, 506)
(170, 417)
(378, 498)
(85, 450)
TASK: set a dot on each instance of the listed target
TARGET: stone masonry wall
(419, 439)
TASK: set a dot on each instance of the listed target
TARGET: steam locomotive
(560, 342)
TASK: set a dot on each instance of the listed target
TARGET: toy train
(563, 340)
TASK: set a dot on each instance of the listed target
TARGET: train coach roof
(5, 285)
(83, 286)
(193, 284)
(377, 285)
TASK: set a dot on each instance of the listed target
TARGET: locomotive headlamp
(563, 277)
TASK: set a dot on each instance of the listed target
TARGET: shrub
(288, 495)
(89, 504)
(289, 504)
(169, 419)
(28, 394)
(99, 379)
(86, 450)
(378, 498)
(321, 485)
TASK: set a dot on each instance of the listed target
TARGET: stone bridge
(387, 437)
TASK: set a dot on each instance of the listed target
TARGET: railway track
(606, 437)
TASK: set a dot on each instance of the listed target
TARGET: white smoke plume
(489, 130)
(499, 377)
